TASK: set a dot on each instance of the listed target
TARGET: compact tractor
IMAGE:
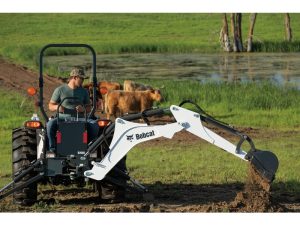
(79, 160)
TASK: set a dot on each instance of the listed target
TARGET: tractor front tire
(24, 151)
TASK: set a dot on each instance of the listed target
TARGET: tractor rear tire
(24, 151)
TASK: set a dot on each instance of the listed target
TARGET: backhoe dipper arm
(128, 134)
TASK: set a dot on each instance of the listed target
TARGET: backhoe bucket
(264, 162)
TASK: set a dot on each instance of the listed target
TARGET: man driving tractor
(69, 108)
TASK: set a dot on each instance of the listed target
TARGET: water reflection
(280, 68)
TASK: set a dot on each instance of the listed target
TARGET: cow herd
(116, 100)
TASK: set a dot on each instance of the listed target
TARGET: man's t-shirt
(69, 105)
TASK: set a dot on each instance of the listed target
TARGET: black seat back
(71, 138)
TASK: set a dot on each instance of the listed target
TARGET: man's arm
(53, 106)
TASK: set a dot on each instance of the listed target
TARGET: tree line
(236, 44)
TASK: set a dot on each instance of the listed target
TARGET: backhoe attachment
(128, 134)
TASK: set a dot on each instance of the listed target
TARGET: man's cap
(77, 72)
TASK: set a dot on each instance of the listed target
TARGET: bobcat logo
(129, 138)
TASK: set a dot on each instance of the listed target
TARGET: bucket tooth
(264, 162)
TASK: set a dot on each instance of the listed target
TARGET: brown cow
(122, 102)
(104, 87)
(130, 85)
(110, 86)
(89, 88)
(99, 101)
(101, 90)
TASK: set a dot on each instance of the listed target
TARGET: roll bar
(41, 80)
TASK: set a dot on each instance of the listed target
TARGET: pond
(280, 68)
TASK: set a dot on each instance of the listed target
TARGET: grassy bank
(262, 105)
(23, 35)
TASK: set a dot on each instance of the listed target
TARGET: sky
(121, 6)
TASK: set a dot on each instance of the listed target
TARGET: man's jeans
(92, 129)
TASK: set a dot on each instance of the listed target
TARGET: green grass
(14, 110)
(23, 35)
(184, 163)
(203, 163)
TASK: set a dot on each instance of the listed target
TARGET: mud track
(234, 197)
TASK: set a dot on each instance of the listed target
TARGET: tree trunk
(233, 32)
(224, 37)
(288, 29)
(236, 29)
(239, 38)
(251, 30)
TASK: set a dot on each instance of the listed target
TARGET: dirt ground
(20, 78)
(234, 197)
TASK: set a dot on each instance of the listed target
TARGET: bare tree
(251, 30)
(236, 32)
(288, 29)
(233, 32)
(236, 29)
(239, 38)
(224, 37)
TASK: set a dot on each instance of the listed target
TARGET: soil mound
(256, 196)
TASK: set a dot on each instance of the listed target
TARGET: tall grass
(272, 46)
(245, 104)
(246, 96)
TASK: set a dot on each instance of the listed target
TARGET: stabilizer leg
(6, 191)
(30, 181)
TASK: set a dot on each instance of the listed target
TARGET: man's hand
(79, 108)
(61, 109)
